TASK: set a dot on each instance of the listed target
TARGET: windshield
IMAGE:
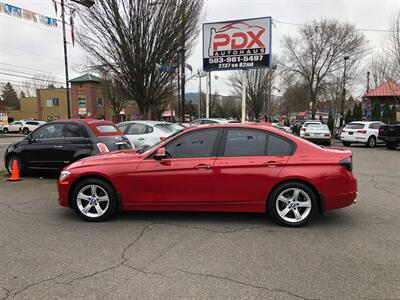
(145, 150)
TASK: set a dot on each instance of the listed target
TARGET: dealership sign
(240, 44)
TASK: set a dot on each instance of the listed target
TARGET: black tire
(346, 144)
(10, 162)
(5, 130)
(391, 146)
(109, 211)
(371, 143)
(25, 131)
(312, 199)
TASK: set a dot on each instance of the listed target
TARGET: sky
(32, 48)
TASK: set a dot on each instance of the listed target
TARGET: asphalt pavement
(47, 252)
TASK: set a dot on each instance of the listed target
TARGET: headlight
(64, 174)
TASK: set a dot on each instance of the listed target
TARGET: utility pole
(368, 73)
(65, 58)
(343, 93)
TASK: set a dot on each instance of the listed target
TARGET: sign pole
(244, 91)
(208, 94)
(199, 73)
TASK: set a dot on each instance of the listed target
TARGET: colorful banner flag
(25, 14)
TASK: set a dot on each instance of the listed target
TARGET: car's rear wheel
(391, 146)
(10, 163)
(94, 200)
(25, 131)
(292, 204)
(371, 143)
(5, 130)
(346, 144)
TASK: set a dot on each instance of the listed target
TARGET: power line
(19, 72)
(33, 69)
(32, 78)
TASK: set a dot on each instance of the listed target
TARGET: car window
(106, 128)
(193, 144)
(354, 126)
(73, 130)
(167, 128)
(278, 146)
(122, 127)
(244, 142)
(374, 125)
(308, 124)
(50, 131)
(208, 122)
(139, 129)
(197, 122)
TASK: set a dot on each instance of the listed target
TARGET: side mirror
(30, 138)
(160, 154)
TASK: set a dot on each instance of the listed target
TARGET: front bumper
(63, 191)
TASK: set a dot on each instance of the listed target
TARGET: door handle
(57, 146)
(140, 139)
(272, 163)
(202, 167)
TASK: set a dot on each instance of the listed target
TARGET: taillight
(102, 148)
(327, 134)
(303, 129)
(306, 134)
(362, 131)
(347, 163)
(343, 130)
(162, 138)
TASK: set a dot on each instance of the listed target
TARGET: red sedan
(221, 167)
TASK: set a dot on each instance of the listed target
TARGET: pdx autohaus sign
(239, 44)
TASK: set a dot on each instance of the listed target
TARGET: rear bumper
(318, 139)
(353, 139)
(344, 194)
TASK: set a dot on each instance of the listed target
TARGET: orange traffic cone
(14, 172)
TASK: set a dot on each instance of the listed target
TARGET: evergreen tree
(354, 114)
(357, 112)
(10, 97)
(376, 111)
(386, 113)
(331, 122)
(22, 95)
(393, 115)
(348, 116)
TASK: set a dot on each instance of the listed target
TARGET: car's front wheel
(5, 130)
(94, 200)
(346, 144)
(292, 204)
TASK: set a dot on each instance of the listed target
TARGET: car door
(77, 143)
(184, 176)
(247, 166)
(15, 127)
(139, 134)
(45, 147)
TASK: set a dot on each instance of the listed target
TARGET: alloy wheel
(92, 201)
(293, 205)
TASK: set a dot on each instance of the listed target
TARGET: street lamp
(87, 3)
(343, 92)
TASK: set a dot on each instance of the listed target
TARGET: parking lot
(48, 253)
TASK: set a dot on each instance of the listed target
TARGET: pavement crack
(13, 209)
(276, 290)
(375, 184)
(211, 230)
(7, 292)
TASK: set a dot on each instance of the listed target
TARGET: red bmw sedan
(220, 167)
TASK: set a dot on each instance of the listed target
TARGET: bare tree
(393, 47)
(317, 53)
(39, 81)
(259, 86)
(382, 68)
(116, 95)
(130, 39)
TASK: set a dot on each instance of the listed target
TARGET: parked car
(390, 134)
(28, 126)
(318, 133)
(338, 132)
(15, 126)
(61, 142)
(208, 121)
(143, 134)
(225, 167)
(1, 127)
(361, 132)
(307, 123)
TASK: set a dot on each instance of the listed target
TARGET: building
(51, 104)
(28, 109)
(89, 100)
(386, 93)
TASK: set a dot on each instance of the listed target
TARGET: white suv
(361, 132)
(22, 126)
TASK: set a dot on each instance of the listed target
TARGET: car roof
(93, 123)
(364, 122)
(235, 125)
(147, 122)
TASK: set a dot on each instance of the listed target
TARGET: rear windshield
(308, 124)
(318, 126)
(168, 128)
(355, 126)
(106, 128)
